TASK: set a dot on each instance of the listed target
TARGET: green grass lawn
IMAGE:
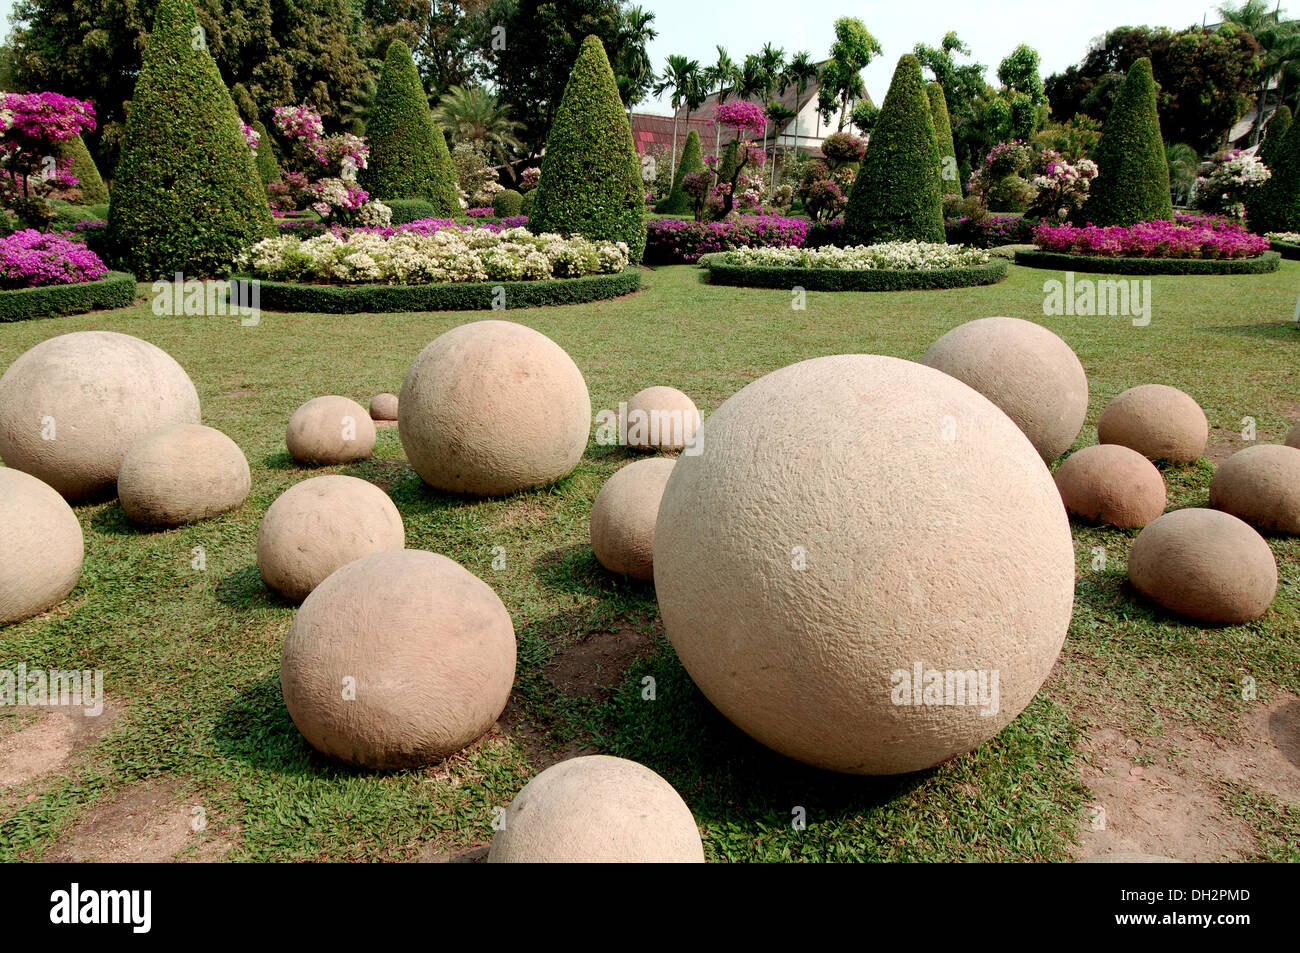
(192, 657)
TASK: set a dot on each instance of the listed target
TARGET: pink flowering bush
(32, 259)
(479, 212)
(32, 127)
(1225, 182)
(1062, 187)
(322, 171)
(673, 241)
(741, 116)
(1148, 240)
(999, 182)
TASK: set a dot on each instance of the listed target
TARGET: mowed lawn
(191, 656)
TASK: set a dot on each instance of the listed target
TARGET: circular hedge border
(114, 290)
(842, 279)
(1260, 264)
(446, 296)
(1285, 249)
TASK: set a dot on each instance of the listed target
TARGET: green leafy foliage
(114, 290)
(268, 169)
(951, 184)
(678, 202)
(507, 203)
(89, 183)
(1270, 151)
(1275, 205)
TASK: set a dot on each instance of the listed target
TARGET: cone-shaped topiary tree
(677, 201)
(591, 180)
(948, 175)
(93, 189)
(268, 169)
(1275, 205)
(897, 195)
(1132, 183)
(1271, 149)
(408, 154)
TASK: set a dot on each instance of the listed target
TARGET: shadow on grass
(113, 521)
(245, 589)
(575, 569)
(1275, 330)
(1284, 730)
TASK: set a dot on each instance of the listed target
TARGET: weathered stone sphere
(661, 418)
(181, 475)
(41, 547)
(72, 406)
(1107, 483)
(1026, 370)
(1158, 421)
(597, 809)
(1261, 485)
(383, 407)
(320, 524)
(329, 430)
(1293, 437)
(1205, 565)
(397, 660)
(623, 517)
(493, 407)
(853, 520)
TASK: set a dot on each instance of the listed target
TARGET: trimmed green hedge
(1096, 264)
(115, 290)
(93, 189)
(450, 296)
(406, 211)
(678, 202)
(832, 279)
(507, 204)
(1285, 249)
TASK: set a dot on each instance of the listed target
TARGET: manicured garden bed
(1116, 265)
(896, 266)
(115, 290)
(1285, 249)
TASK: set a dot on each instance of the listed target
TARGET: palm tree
(721, 76)
(772, 61)
(780, 114)
(474, 115)
(683, 77)
(635, 74)
(800, 74)
(1274, 36)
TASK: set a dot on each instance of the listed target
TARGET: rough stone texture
(330, 430)
(425, 646)
(97, 393)
(661, 418)
(1158, 421)
(1108, 483)
(597, 809)
(623, 517)
(320, 524)
(493, 407)
(181, 475)
(383, 407)
(1026, 370)
(1293, 437)
(1261, 485)
(1204, 564)
(41, 548)
(929, 532)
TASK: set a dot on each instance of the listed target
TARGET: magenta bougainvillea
(32, 127)
(673, 241)
(323, 170)
(741, 116)
(31, 259)
(1149, 240)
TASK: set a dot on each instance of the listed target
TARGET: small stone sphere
(320, 524)
(493, 407)
(1293, 437)
(330, 430)
(73, 405)
(397, 660)
(597, 809)
(41, 548)
(181, 475)
(1261, 485)
(1107, 483)
(1204, 564)
(661, 418)
(383, 407)
(1158, 421)
(1029, 372)
(623, 517)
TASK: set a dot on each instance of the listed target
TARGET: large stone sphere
(182, 474)
(41, 548)
(1204, 564)
(661, 418)
(1026, 370)
(330, 430)
(383, 407)
(72, 406)
(318, 525)
(1158, 421)
(493, 407)
(1293, 437)
(398, 659)
(854, 521)
(597, 809)
(1261, 485)
(1108, 483)
(623, 517)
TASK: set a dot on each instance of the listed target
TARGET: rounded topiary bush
(1271, 148)
(89, 182)
(507, 203)
(1275, 205)
(40, 561)
(409, 210)
(677, 201)
(529, 199)
(268, 169)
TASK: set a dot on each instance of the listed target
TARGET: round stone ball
(1293, 437)
(1261, 485)
(597, 809)
(318, 525)
(1107, 483)
(493, 407)
(383, 407)
(1026, 370)
(1204, 564)
(42, 548)
(397, 660)
(661, 418)
(181, 475)
(330, 430)
(72, 406)
(1158, 421)
(623, 518)
(857, 530)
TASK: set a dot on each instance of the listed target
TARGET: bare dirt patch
(1223, 444)
(535, 741)
(523, 513)
(434, 853)
(48, 739)
(593, 667)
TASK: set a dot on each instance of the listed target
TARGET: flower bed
(1259, 264)
(672, 241)
(996, 228)
(1150, 240)
(891, 266)
(1286, 244)
(32, 259)
(114, 290)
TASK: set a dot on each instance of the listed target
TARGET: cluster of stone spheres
(832, 524)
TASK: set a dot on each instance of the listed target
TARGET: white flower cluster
(909, 256)
(1291, 238)
(448, 255)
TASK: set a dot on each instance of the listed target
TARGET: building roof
(649, 129)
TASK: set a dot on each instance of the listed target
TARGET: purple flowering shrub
(428, 226)
(1149, 240)
(32, 259)
(674, 241)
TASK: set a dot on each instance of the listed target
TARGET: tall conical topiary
(1271, 149)
(92, 187)
(897, 195)
(949, 182)
(268, 169)
(677, 201)
(1132, 183)
(408, 154)
(186, 194)
(1275, 205)
(591, 179)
